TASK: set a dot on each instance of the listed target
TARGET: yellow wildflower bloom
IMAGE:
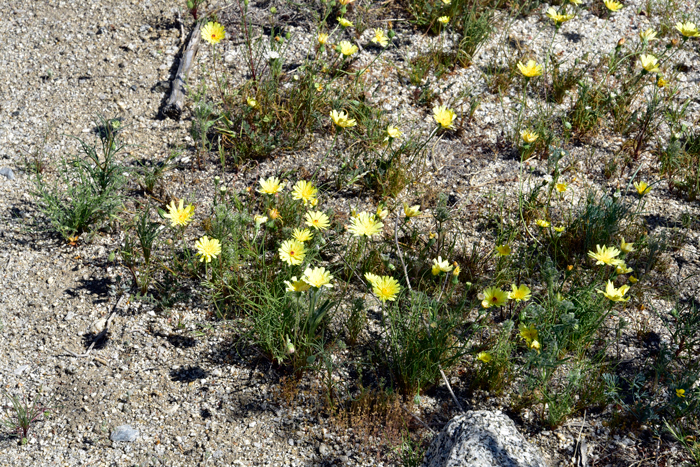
(274, 214)
(259, 220)
(575, 2)
(365, 224)
(444, 116)
(342, 119)
(660, 81)
(530, 70)
(292, 252)
(346, 48)
(382, 212)
(317, 219)
(561, 187)
(208, 248)
(380, 38)
(633, 280)
(251, 102)
(605, 255)
(484, 357)
(557, 17)
(345, 23)
(384, 287)
(297, 285)
(626, 247)
(648, 35)
(688, 29)
(542, 223)
(612, 5)
(616, 295)
(522, 293)
(317, 277)
(305, 191)
(322, 38)
(642, 188)
(179, 215)
(621, 268)
(503, 250)
(270, 186)
(680, 392)
(440, 265)
(559, 229)
(535, 345)
(649, 63)
(213, 32)
(345, 2)
(411, 211)
(392, 132)
(444, 19)
(302, 235)
(529, 334)
(456, 270)
(528, 136)
(493, 296)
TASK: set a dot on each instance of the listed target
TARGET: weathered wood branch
(173, 108)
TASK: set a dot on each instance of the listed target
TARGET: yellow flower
(529, 334)
(560, 229)
(346, 48)
(527, 135)
(392, 132)
(440, 265)
(208, 248)
(542, 223)
(503, 250)
(456, 270)
(518, 294)
(575, 2)
(633, 279)
(561, 187)
(444, 116)
(251, 102)
(270, 186)
(317, 219)
(493, 296)
(446, 2)
(688, 29)
(179, 215)
(605, 255)
(384, 287)
(616, 295)
(642, 188)
(626, 247)
(411, 211)
(382, 212)
(292, 252)
(274, 214)
(649, 63)
(322, 38)
(444, 19)
(380, 38)
(317, 277)
(660, 81)
(345, 2)
(530, 70)
(535, 345)
(680, 392)
(259, 220)
(305, 191)
(342, 119)
(365, 224)
(621, 268)
(648, 35)
(484, 357)
(302, 235)
(295, 285)
(612, 5)
(213, 32)
(345, 23)
(558, 18)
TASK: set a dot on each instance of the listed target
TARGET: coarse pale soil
(178, 377)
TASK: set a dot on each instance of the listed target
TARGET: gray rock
(323, 450)
(20, 370)
(124, 433)
(482, 439)
(7, 172)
